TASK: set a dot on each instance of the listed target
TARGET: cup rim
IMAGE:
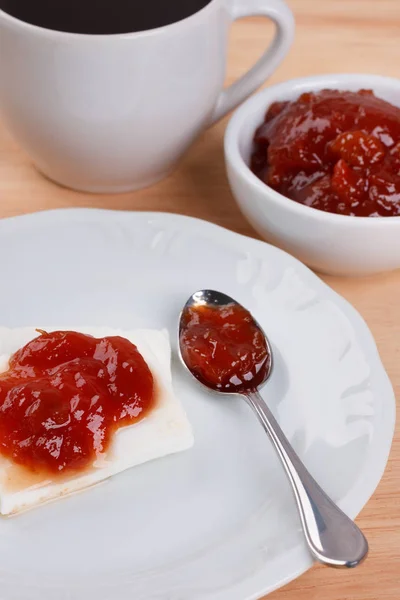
(15, 22)
(261, 99)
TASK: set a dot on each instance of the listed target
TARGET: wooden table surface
(332, 36)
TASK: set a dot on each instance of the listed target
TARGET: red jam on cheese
(332, 150)
(65, 394)
(223, 347)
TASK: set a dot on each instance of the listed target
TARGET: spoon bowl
(332, 537)
(212, 298)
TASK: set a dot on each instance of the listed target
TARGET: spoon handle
(332, 537)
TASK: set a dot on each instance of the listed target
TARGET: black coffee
(101, 16)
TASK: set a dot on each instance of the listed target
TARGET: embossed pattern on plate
(217, 522)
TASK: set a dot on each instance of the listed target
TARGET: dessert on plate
(79, 407)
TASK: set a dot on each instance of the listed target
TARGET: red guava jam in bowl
(336, 151)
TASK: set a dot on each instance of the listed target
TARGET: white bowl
(327, 242)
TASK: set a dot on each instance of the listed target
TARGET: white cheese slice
(163, 431)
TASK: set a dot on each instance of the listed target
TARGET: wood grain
(332, 36)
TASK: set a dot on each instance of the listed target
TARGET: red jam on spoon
(223, 347)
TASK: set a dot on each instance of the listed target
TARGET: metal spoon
(332, 537)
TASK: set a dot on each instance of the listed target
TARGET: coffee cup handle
(280, 13)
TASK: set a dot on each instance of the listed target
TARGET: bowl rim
(261, 98)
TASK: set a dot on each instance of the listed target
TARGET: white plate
(217, 522)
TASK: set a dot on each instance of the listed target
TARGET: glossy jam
(64, 396)
(224, 348)
(335, 151)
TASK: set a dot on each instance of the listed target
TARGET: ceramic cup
(113, 113)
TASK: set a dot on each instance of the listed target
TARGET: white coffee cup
(112, 113)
